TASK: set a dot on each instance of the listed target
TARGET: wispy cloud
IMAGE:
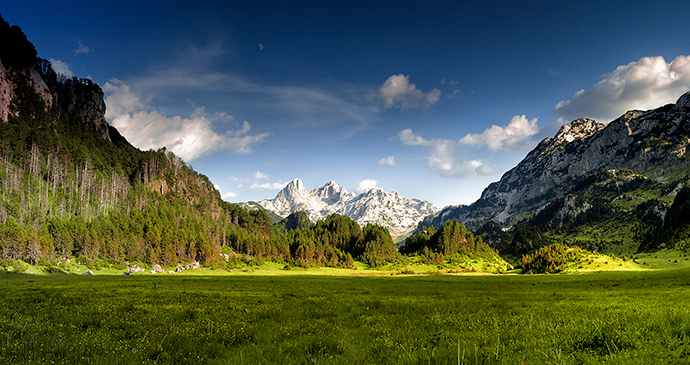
(387, 161)
(397, 91)
(61, 67)
(330, 105)
(643, 84)
(188, 138)
(257, 184)
(450, 82)
(454, 94)
(268, 186)
(82, 49)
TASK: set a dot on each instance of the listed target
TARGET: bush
(550, 259)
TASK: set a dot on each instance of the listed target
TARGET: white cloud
(225, 196)
(61, 68)
(514, 136)
(408, 137)
(442, 160)
(364, 185)
(81, 50)
(399, 92)
(388, 161)
(647, 83)
(188, 138)
(268, 186)
(442, 154)
(258, 175)
(228, 195)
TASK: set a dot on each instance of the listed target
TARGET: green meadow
(213, 317)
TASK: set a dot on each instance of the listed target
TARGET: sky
(434, 100)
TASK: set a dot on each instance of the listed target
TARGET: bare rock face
(40, 87)
(649, 142)
(20, 66)
(6, 93)
(83, 99)
(8, 86)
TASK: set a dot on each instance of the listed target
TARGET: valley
(110, 254)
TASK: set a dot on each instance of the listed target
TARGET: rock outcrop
(20, 66)
(84, 100)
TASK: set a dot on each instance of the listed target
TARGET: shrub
(550, 259)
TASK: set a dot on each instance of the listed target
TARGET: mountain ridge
(375, 206)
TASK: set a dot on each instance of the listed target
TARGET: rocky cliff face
(650, 142)
(389, 209)
(9, 82)
(84, 100)
(19, 65)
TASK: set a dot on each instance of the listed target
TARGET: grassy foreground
(614, 317)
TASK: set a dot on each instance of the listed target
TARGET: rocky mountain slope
(390, 209)
(650, 142)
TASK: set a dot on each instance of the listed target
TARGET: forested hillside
(68, 189)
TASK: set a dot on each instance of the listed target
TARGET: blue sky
(434, 100)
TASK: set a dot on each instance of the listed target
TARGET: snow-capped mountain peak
(374, 205)
(332, 193)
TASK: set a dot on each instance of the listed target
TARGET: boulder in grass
(135, 268)
(87, 273)
(158, 269)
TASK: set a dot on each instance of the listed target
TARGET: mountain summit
(376, 206)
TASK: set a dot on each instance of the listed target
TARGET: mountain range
(376, 206)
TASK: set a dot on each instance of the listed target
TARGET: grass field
(210, 318)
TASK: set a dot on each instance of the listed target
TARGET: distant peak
(294, 186)
(297, 182)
